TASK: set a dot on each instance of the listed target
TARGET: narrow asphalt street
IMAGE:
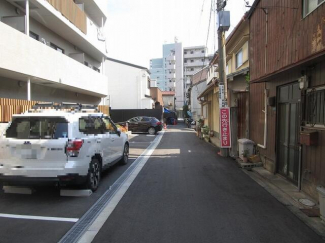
(187, 193)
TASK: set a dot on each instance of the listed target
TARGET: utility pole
(222, 26)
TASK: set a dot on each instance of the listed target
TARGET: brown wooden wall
(242, 121)
(313, 166)
(313, 162)
(72, 12)
(8, 107)
(291, 38)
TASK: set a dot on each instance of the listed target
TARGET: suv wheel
(125, 156)
(152, 131)
(93, 177)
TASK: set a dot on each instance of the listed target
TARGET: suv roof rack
(65, 106)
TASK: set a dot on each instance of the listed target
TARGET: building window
(55, 47)
(202, 51)
(315, 107)
(311, 5)
(33, 35)
(185, 61)
(185, 52)
(239, 58)
(192, 69)
(192, 60)
(192, 52)
(202, 60)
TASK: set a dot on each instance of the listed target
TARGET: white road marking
(94, 228)
(190, 151)
(140, 142)
(16, 216)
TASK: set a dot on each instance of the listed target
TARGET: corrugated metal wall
(290, 37)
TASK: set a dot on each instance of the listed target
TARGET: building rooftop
(128, 64)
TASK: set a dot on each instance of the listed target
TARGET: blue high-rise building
(168, 72)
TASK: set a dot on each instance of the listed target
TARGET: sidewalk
(289, 195)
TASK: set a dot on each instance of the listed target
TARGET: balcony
(189, 73)
(170, 66)
(24, 57)
(93, 10)
(212, 74)
(194, 55)
(170, 75)
(171, 58)
(86, 37)
(172, 84)
(195, 64)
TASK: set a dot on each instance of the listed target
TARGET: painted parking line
(91, 222)
(16, 216)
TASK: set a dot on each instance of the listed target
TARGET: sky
(137, 29)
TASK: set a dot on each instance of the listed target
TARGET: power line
(206, 43)
(202, 7)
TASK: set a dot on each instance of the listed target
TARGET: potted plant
(199, 125)
(245, 155)
(206, 133)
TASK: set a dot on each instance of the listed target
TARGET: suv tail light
(73, 147)
(158, 123)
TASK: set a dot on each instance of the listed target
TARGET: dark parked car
(143, 124)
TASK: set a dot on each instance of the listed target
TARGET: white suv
(70, 144)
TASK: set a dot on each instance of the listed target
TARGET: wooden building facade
(287, 89)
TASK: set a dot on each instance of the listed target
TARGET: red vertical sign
(225, 133)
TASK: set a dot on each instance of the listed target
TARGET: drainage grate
(75, 233)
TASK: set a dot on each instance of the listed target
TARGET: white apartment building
(168, 71)
(195, 59)
(128, 85)
(52, 50)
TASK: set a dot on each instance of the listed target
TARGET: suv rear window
(38, 128)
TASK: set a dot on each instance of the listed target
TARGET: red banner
(225, 132)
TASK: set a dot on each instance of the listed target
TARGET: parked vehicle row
(60, 147)
(144, 124)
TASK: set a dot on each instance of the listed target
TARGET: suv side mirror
(118, 132)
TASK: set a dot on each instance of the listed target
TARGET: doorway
(289, 103)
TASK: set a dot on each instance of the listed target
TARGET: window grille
(315, 107)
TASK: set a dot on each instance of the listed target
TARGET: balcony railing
(195, 64)
(171, 58)
(195, 54)
(170, 75)
(72, 12)
(31, 58)
(170, 66)
(172, 84)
